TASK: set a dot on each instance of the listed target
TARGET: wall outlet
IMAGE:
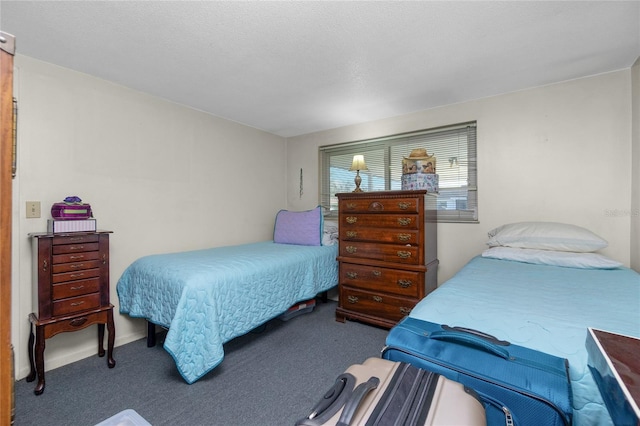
(33, 209)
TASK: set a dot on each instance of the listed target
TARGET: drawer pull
(77, 257)
(77, 322)
(351, 249)
(403, 254)
(352, 275)
(78, 303)
(352, 234)
(76, 239)
(80, 275)
(351, 206)
(404, 221)
(403, 205)
(77, 265)
(404, 237)
(351, 219)
(377, 299)
(376, 206)
(76, 248)
(405, 283)
(376, 273)
(77, 288)
(404, 310)
(352, 299)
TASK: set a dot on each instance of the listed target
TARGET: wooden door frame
(7, 50)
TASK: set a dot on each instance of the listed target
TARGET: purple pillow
(302, 228)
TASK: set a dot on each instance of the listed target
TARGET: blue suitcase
(518, 386)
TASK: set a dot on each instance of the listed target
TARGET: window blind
(453, 146)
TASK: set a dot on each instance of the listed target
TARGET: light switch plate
(33, 209)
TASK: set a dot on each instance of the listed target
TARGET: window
(453, 146)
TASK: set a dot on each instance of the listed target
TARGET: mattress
(208, 297)
(547, 308)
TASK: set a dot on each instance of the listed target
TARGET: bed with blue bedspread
(207, 297)
(523, 296)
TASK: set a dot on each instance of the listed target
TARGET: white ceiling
(292, 68)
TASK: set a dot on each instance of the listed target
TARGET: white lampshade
(358, 163)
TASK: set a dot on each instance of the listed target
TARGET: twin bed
(207, 297)
(544, 300)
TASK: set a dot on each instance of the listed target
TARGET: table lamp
(357, 165)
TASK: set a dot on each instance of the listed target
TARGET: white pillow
(329, 239)
(330, 233)
(555, 258)
(330, 226)
(546, 236)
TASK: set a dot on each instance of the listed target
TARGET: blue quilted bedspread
(208, 297)
(547, 308)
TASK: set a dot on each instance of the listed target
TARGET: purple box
(63, 211)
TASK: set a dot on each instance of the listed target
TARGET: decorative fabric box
(425, 165)
(428, 181)
(71, 225)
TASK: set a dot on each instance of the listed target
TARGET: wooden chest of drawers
(72, 292)
(387, 254)
(73, 273)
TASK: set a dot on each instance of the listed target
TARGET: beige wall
(635, 159)
(161, 176)
(555, 153)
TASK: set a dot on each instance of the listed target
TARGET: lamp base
(358, 179)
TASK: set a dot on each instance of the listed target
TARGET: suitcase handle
(478, 333)
(471, 339)
(356, 398)
(331, 402)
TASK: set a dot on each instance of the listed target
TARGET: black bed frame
(151, 327)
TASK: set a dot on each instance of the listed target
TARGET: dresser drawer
(392, 205)
(385, 252)
(394, 221)
(396, 281)
(75, 266)
(75, 288)
(75, 239)
(408, 236)
(76, 304)
(76, 275)
(76, 257)
(375, 304)
(74, 248)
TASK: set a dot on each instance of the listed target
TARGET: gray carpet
(272, 377)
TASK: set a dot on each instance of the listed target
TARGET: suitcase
(71, 208)
(381, 392)
(517, 385)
